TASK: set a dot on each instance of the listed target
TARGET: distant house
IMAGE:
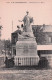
(43, 34)
(14, 36)
(14, 39)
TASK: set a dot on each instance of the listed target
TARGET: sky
(14, 10)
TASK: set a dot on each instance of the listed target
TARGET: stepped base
(26, 53)
(26, 61)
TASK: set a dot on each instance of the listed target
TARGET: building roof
(46, 28)
(44, 47)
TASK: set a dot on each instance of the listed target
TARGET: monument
(26, 46)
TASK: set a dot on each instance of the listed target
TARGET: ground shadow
(27, 68)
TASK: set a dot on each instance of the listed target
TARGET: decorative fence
(26, 61)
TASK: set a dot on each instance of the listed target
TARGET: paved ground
(25, 74)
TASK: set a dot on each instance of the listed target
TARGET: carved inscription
(25, 49)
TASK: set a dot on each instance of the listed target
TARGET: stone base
(26, 48)
(26, 53)
(26, 61)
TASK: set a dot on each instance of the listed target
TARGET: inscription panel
(30, 46)
(26, 49)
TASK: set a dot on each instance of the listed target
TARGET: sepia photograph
(25, 40)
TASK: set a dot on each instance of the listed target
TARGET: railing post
(30, 61)
(18, 61)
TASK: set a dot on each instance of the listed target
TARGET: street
(31, 74)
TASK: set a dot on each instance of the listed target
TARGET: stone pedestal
(26, 52)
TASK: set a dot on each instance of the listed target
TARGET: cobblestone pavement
(33, 74)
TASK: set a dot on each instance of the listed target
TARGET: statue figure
(27, 28)
(27, 21)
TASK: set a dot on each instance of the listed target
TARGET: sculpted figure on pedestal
(27, 28)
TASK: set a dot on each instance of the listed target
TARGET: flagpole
(0, 28)
(12, 25)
